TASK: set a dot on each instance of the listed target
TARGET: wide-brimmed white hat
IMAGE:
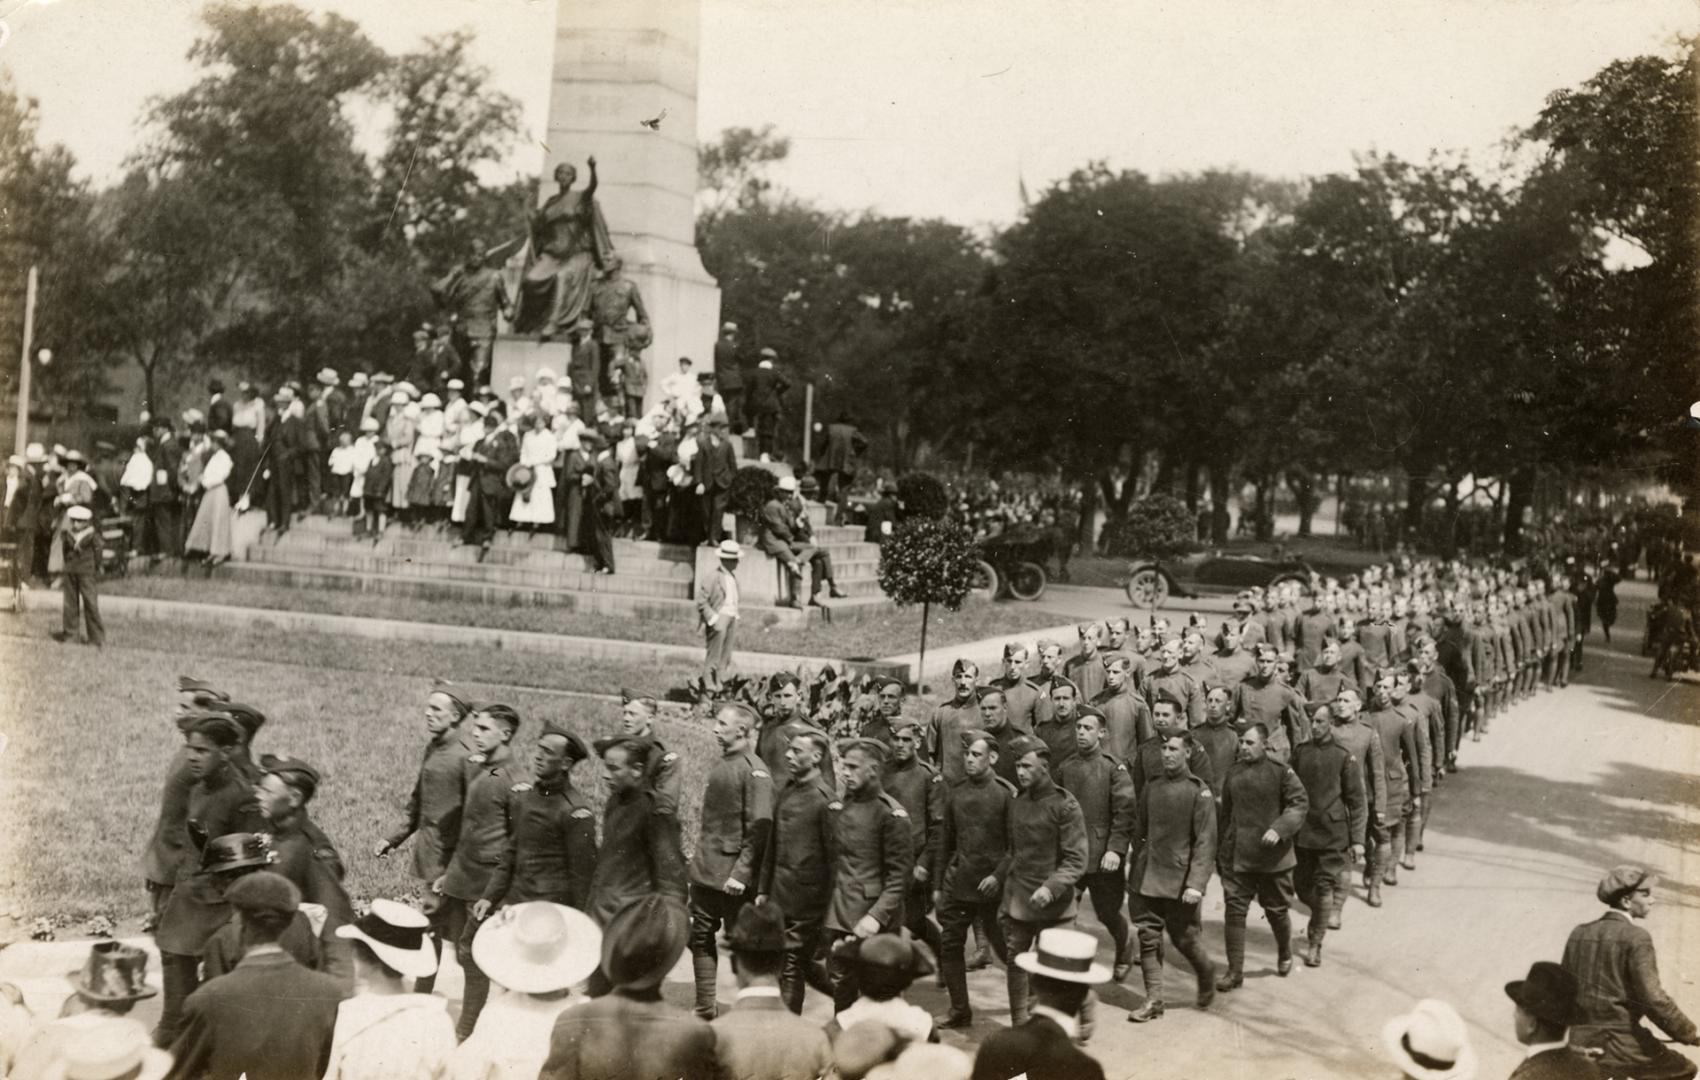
(397, 933)
(729, 549)
(1065, 954)
(1430, 1043)
(538, 947)
(788, 483)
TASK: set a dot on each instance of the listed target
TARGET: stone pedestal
(522, 356)
(618, 62)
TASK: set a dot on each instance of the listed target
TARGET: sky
(941, 108)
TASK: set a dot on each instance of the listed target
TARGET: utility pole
(20, 438)
(808, 423)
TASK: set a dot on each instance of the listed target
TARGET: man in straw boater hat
(1063, 971)
(221, 1036)
(631, 1034)
(717, 608)
(386, 1028)
(759, 1038)
(1430, 1043)
(1617, 976)
(536, 952)
(1545, 1008)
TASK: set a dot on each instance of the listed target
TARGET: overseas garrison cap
(1022, 745)
(970, 737)
(217, 726)
(189, 685)
(904, 724)
(636, 747)
(1166, 696)
(294, 772)
(888, 680)
(576, 748)
(872, 747)
(750, 716)
(250, 718)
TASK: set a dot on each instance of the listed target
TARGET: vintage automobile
(1013, 562)
(1151, 583)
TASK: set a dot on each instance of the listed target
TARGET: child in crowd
(342, 472)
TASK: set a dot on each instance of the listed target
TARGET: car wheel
(986, 579)
(1027, 581)
(1148, 588)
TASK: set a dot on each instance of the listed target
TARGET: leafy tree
(928, 561)
(922, 496)
(1155, 527)
(732, 174)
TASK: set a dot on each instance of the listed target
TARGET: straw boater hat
(729, 549)
(1430, 1043)
(538, 947)
(397, 934)
(1061, 953)
(328, 377)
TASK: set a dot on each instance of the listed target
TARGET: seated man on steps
(786, 534)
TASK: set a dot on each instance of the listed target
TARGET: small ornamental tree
(928, 561)
(1156, 527)
(921, 495)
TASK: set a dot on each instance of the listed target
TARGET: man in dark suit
(764, 392)
(1618, 983)
(494, 455)
(712, 469)
(631, 1034)
(1042, 1047)
(287, 440)
(835, 462)
(759, 1039)
(290, 1037)
(729, 373)
(1546, 1007)
(219, 412)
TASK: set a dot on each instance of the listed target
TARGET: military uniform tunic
(797, 866)
(1277, 707)
(1103, 789)
(1174, 837)
(944, 735)
(434, 808)
(485, 825)
(551, 852)
(640, 854)
(873, 857)
(737, 813)
(975, 840)
(1127, 719)
(1256, 797)
(1180, 686)
(1047, 836)
(921, 790)
(1147, 764)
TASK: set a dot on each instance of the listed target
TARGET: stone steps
(610, 602)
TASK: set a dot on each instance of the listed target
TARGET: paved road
(1563, 787)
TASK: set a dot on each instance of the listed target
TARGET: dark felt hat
(644, 941)
(113, 972)
(236, 851)
(1548, 993)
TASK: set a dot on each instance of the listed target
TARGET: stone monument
(619, 63)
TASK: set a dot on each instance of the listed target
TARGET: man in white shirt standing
(717, 606)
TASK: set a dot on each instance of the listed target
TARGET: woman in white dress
(536, 505)
(209, 536)
(466, 438)
(385, 1032)
(400, 432)
(427, 458)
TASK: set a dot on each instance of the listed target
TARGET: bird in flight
(655, 124)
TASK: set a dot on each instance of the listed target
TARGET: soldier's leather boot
(1088, 1019)
(1233, 978)
(1374, 897)
(1151, 1010)
(1313, 954)
(1282, 924)
(1124, 956)
(706, 971)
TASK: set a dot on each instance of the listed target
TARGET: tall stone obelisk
(618, 62)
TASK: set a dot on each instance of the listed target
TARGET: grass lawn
(888, 635)
(90, 734)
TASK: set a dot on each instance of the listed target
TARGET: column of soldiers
(1128, 773)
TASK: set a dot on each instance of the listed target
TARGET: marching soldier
(737, 813)
(1171, 680)
(1430, 722)
(484, 838)
(1322, 681)
(301, 854)
(1402, 787)
(973, 854)
(954, 718)
(1047, 858)
(1336, 819)
(1263, 807)
(796, 870)
(1219, 740)
(873, 860)
(882, 725)
(551, 853)
(920, 789)
(1174, 850)
(1102, 787)
(784, 718)
(1359, 740)
(1147, 763)
(637, 721)
(1126, 715)
(1020, 695)
(1049, 675)
(995, 720)
(1085, 669)
(1055, 726)
(434, 808)
(1264, 699)
(170, 839)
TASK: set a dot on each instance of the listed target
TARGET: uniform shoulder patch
(1203, 792)
(669, 758)
(835, 805)
(759, 772)
(898, 811)
(518, 789)
(1121, 767)
(937, 777)
(476, 759)
(581, 813)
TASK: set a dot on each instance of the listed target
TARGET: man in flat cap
(920, 788)
(737, 815)
(641, 854)
(874, 858)
(796, 869)
(1617, 977)
(973, 858)
(223, 1036)
(1048, 851)
(1545, 1007)
(551, 852)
